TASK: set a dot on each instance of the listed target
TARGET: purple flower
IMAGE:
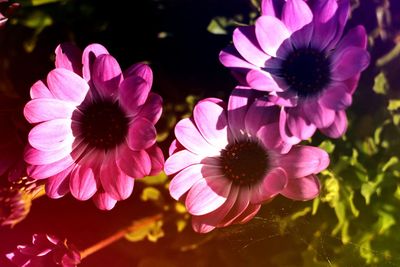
(93, 134)
(46, 250)
(298, 55)
(227, 161)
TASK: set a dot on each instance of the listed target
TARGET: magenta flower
(227, 161)
(7, 9)
(300, 58)
(46, 250)
(93, 135)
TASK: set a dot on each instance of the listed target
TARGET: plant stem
(136, 225)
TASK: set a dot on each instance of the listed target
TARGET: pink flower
(7, 9)
(301, 59)
(227, 161)
(46, 250)
(93, 135)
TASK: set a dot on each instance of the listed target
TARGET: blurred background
(355, 221)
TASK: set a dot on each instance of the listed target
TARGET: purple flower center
(244, 162)
(307, 71)
(104, 125)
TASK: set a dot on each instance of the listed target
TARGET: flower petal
(241, 204)
(272, 184)
(336, 97)
(114, 181)
(318, 114)
(66, 85)
(298, 123)
(39, 157)
(262, 80)
(237, 110)
(40, 90)
(133, 93)
(296, 14)
(230, 57)
(349, 62)
(287, 136)
(104, 201)
(51, 135)
(184, 180)
(82, 183)
(189, 136)
(57, 186)
(207, 194)
(157, 159)
(69, 57)
(181, 160)
(141, 134)
(271, 33)
(89, 55)
(210, 119)
(152, 108)
(305, 188)
(303, 160)
(45, 109)
(136, 164)
(260, 113)
(245, 41)
(142, 70)
(338, 127)
(107, 76)
(356, 36)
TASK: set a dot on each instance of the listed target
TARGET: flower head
(226, 161)
(46, 250)
(297, 54)
(93, 134)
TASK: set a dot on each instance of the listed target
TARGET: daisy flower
(93, 126)
(296, 53)
(227, 161)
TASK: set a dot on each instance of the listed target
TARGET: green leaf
(381, 85)
(150, 193)
(328, 146)
(218, 25)
(394, 104)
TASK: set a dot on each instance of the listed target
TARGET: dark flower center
(244, 162)
(104, 124)
(307, 71)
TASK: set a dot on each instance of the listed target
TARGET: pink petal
(181, 160)
(175, 147)
(211, 121)
(338, 127)
(107, 76)
(267, 8)
(342, 14)
(45, 109)
(356, 36)
(287, 98)
(248, 214)
(189, 136)
(156, 158)
(336, 97)
(66, 85)
(207, 194)
(241, 204)
(133, 94)
(45, 171)
(287, 136)
(349, 62)
(136, 164)
(271, 33)
(69, 57)
(104, 201)
(325, 22)
(114, 181)
(40, 157)
(51, 135)
(305, 188)
(152, 109)
(245, 41)
(271, 138)
(206, 223)
(141, 134)
(318, 114)
(272, 184)
(57, 186)
(260, 113)
(237, 109)
(298, 123)
(142, 70)
(303, 160)
(90, 53)
(296, 14)
(82, 183)
(261, 80)
(40, 90)
(184, 180)
(229, 57)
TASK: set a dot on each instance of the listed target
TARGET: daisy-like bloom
(227, 161)
(93, 134)
(296, 53)
(46, 250)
